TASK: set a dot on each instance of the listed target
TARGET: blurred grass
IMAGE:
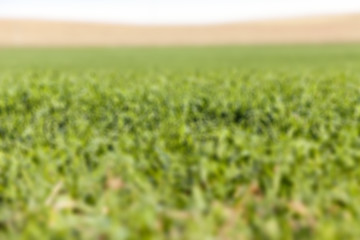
(180, 143)
(190, 57)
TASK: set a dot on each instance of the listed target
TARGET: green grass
(180, 143)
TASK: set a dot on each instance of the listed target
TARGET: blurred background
(141, 22)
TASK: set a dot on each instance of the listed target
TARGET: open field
(180, 143)
(325, 29)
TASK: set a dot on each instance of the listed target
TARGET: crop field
(180, 143)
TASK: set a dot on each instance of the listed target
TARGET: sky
(172, 11)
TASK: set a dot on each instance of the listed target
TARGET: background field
(317, 29)
(180, 143)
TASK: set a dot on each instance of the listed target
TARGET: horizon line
(209, 23)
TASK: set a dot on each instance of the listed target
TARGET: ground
(322, 29)
(180, 143)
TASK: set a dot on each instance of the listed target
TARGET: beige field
(322, 29)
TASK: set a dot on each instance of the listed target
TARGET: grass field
(180, 143)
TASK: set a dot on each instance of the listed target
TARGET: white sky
(171, 11)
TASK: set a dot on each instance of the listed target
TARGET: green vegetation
(180, 143)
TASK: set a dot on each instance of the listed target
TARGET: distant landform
(318, 29)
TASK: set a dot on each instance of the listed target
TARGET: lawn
(251, 142)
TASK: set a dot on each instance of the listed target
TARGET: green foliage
(180, 143)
